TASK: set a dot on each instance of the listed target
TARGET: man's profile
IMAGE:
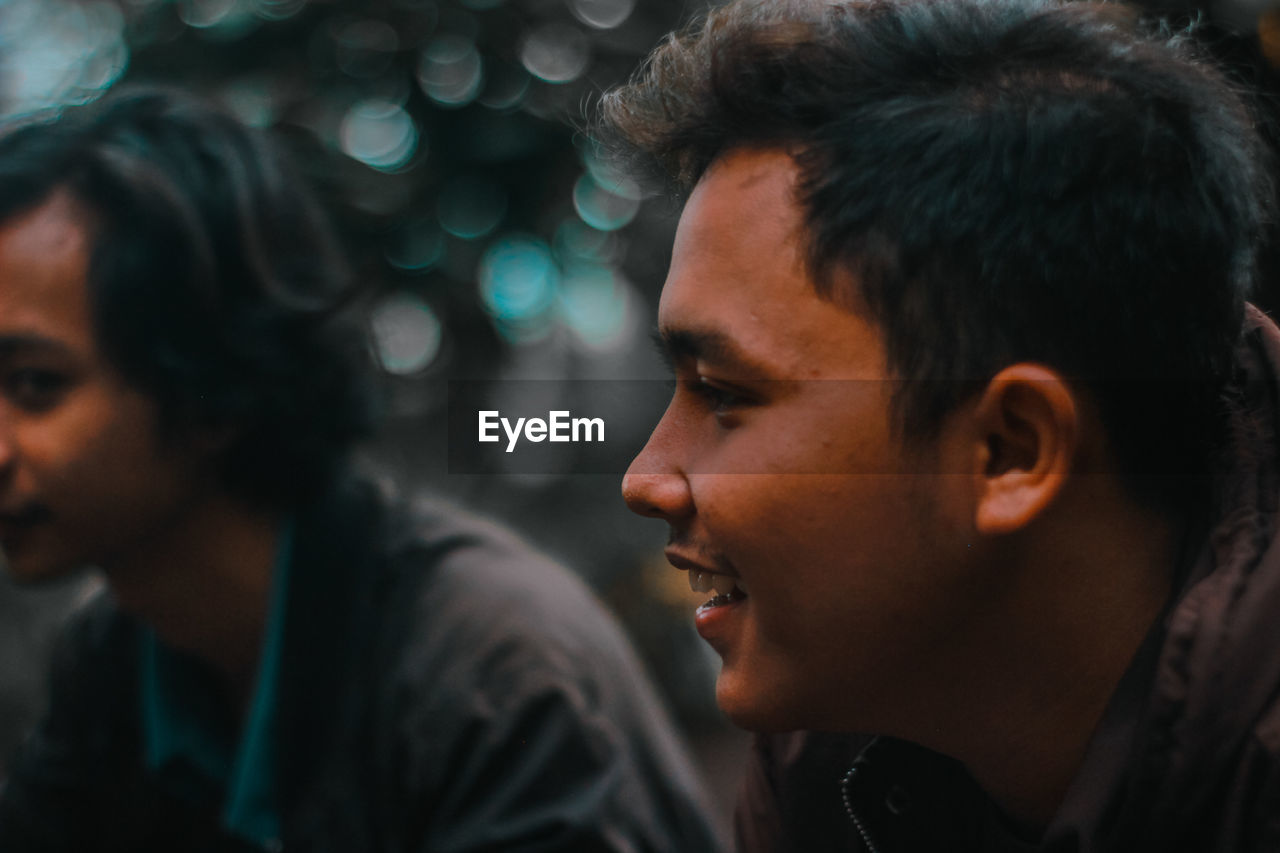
(973, 434)
(287, 655)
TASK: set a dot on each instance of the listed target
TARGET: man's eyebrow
(12, 344)
(663, 350)
(709, 345)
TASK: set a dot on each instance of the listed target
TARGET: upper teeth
(722, 584)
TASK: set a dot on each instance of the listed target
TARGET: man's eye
(35, 389)
(718, 400)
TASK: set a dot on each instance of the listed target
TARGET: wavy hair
(216, 285)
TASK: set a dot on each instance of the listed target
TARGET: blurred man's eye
(35, 389)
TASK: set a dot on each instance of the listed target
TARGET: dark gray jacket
(444, 689)
(1186, 758)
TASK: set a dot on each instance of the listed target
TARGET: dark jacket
(443, 689)
(1186, 758)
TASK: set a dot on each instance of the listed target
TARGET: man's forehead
(746, 189)
(44, 249)
(59, 224)
(741, 223)
(43, 268)
(740, 292)
(736, 263)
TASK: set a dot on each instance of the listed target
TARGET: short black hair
(216, 285)
(1007, 180)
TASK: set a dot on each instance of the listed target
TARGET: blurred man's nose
(8, 448)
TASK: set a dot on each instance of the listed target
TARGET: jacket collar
(1173, 726)
(1220, 665)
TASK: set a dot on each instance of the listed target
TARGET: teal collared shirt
(191, 736)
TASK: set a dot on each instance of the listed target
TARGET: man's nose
(654, 485)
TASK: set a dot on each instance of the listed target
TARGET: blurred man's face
(84, 477)
(777, 470)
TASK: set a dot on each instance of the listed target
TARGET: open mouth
(21, 520)
(728, 590)
(27, 515)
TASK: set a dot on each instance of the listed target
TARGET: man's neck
(1057, 643)
(204, 585)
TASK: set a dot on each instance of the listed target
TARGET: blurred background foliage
(445, 137)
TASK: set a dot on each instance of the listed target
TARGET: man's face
(84, 476)
(776, 464)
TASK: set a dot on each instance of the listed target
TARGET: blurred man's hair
(1006, 180)
(216, 285)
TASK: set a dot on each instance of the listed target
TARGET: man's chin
(26, 571)
(751, 707)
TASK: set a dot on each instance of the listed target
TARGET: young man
(286, 657)
(973, 434)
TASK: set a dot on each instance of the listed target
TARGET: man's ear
(1027, 435)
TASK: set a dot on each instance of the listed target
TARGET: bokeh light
(220, 19)
(607, 208)
(593, 302)
(407, 334)
(604, 196)
(202, 14)
(251, 100)
(417, 246)
(365, 48)
(279, 10)
(556, 53)
(518, 279)
(378, 133)
(55, 52)
(450, 70)
(577, 241)
(602, 14)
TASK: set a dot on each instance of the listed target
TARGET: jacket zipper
(858, 824)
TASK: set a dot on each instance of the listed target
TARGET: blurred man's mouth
(18, 520)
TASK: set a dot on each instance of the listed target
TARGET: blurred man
(286, 658)
(973, 435)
